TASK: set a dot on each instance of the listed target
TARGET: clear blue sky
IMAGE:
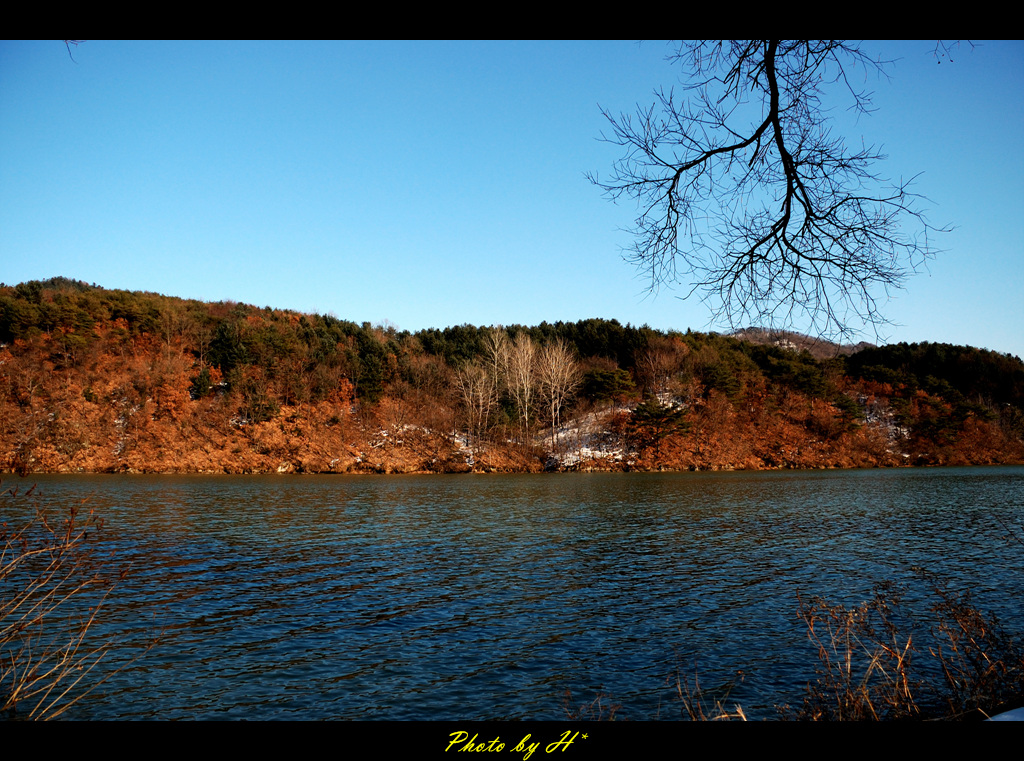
(433, 184)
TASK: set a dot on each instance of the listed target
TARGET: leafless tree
(659, 363)
(497, 354)
(558, 376)
(522, 379)
(747, 198)
(479, 396)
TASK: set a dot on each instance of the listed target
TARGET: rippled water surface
(486, 597)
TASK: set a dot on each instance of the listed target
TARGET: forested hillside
(108, 380)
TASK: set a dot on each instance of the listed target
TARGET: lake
(487, 597)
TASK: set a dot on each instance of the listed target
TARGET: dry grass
(865, 659)
(696, 705)
(982, 665)
(876, 664)
(53, 584)
(601, 708)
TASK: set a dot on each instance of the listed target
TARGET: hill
(98, 380)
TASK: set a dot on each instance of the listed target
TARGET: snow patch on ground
(585, 439)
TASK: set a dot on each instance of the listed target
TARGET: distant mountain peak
(818, 348)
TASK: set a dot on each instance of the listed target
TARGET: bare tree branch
(746, 197)
(68, 44)
(945, 49)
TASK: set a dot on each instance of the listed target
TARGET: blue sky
(432, 184)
